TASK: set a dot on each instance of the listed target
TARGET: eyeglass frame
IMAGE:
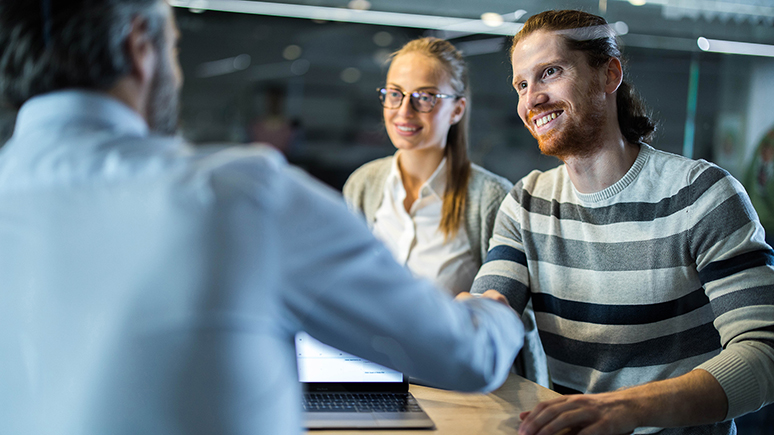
(382, 96)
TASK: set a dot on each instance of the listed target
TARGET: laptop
(342, 391)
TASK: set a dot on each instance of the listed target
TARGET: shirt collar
(57, 110)
(436, 184)
(437, 181)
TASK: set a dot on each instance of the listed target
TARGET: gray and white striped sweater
(663, 272)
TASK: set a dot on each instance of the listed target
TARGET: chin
(562, 149)
(402, 145)
(547, 143)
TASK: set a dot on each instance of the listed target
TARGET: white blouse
(414, 237)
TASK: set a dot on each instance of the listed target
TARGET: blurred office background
(302, 74)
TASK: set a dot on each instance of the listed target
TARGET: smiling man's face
(561, 97)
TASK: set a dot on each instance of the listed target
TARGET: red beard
(582, 131)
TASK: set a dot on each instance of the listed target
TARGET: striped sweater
(663, 272)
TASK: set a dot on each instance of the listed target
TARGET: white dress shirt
(414, 237)
(147, 287)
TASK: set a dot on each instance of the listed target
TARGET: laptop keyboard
(360, 402)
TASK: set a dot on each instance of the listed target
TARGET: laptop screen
(320, 363)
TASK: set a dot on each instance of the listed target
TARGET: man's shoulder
(542, 183)
(216, 158)
(254, 171)
(679, 171)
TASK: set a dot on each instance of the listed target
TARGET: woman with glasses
(431, 206)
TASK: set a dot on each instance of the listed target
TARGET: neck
(603, 167)
(417, 166)
(130, 93)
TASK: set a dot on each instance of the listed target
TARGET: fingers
(555, 416)
(496, 296)
(581, 414)
(463, 295)
(489, 294)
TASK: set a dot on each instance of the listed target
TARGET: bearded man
(150, 288)
(651, 282)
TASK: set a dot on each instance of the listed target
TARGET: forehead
(416, 70)
(541, 47)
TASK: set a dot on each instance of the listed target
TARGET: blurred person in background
(651, 281)
(272, 127)
(432, 207)
(147, 287)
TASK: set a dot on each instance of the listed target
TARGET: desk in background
(469, 413)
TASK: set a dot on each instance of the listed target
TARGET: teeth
(402, 128)
(541, 121)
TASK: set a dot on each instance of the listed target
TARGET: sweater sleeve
(505, 268)
(736, 268)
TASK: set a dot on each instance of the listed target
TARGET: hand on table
(582, 414)
(692, 399)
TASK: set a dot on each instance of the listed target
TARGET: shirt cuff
(737, 379)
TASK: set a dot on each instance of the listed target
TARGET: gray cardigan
(364, 191)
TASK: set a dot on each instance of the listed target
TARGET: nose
(405, 109)
(536, 96)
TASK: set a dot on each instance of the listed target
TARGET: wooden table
(469, 413)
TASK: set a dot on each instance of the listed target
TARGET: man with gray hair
(651, 282)
(149, 288)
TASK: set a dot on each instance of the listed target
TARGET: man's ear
(613, 75)
(141, 52)
(459, 110)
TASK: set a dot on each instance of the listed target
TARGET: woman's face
(412, 130)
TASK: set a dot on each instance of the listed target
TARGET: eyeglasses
(422, 102)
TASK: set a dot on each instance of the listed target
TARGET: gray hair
(47, 45)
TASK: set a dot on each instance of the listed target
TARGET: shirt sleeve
(345, 289)
(505, 268)
(736, 268)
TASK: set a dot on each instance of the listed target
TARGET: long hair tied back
(453, 65)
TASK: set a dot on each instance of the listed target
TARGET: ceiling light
(638, 2)
(241, 62)
(351, 16)
(359, 5)
(223, 66)
(751, 9)
(383, 39)
(621, 28)
(300, 67)
(195, 6)
(492, 19)
(514, 16)
(733, 47)
(291, 52)
(350, 75)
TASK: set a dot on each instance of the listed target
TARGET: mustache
(544, 109)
